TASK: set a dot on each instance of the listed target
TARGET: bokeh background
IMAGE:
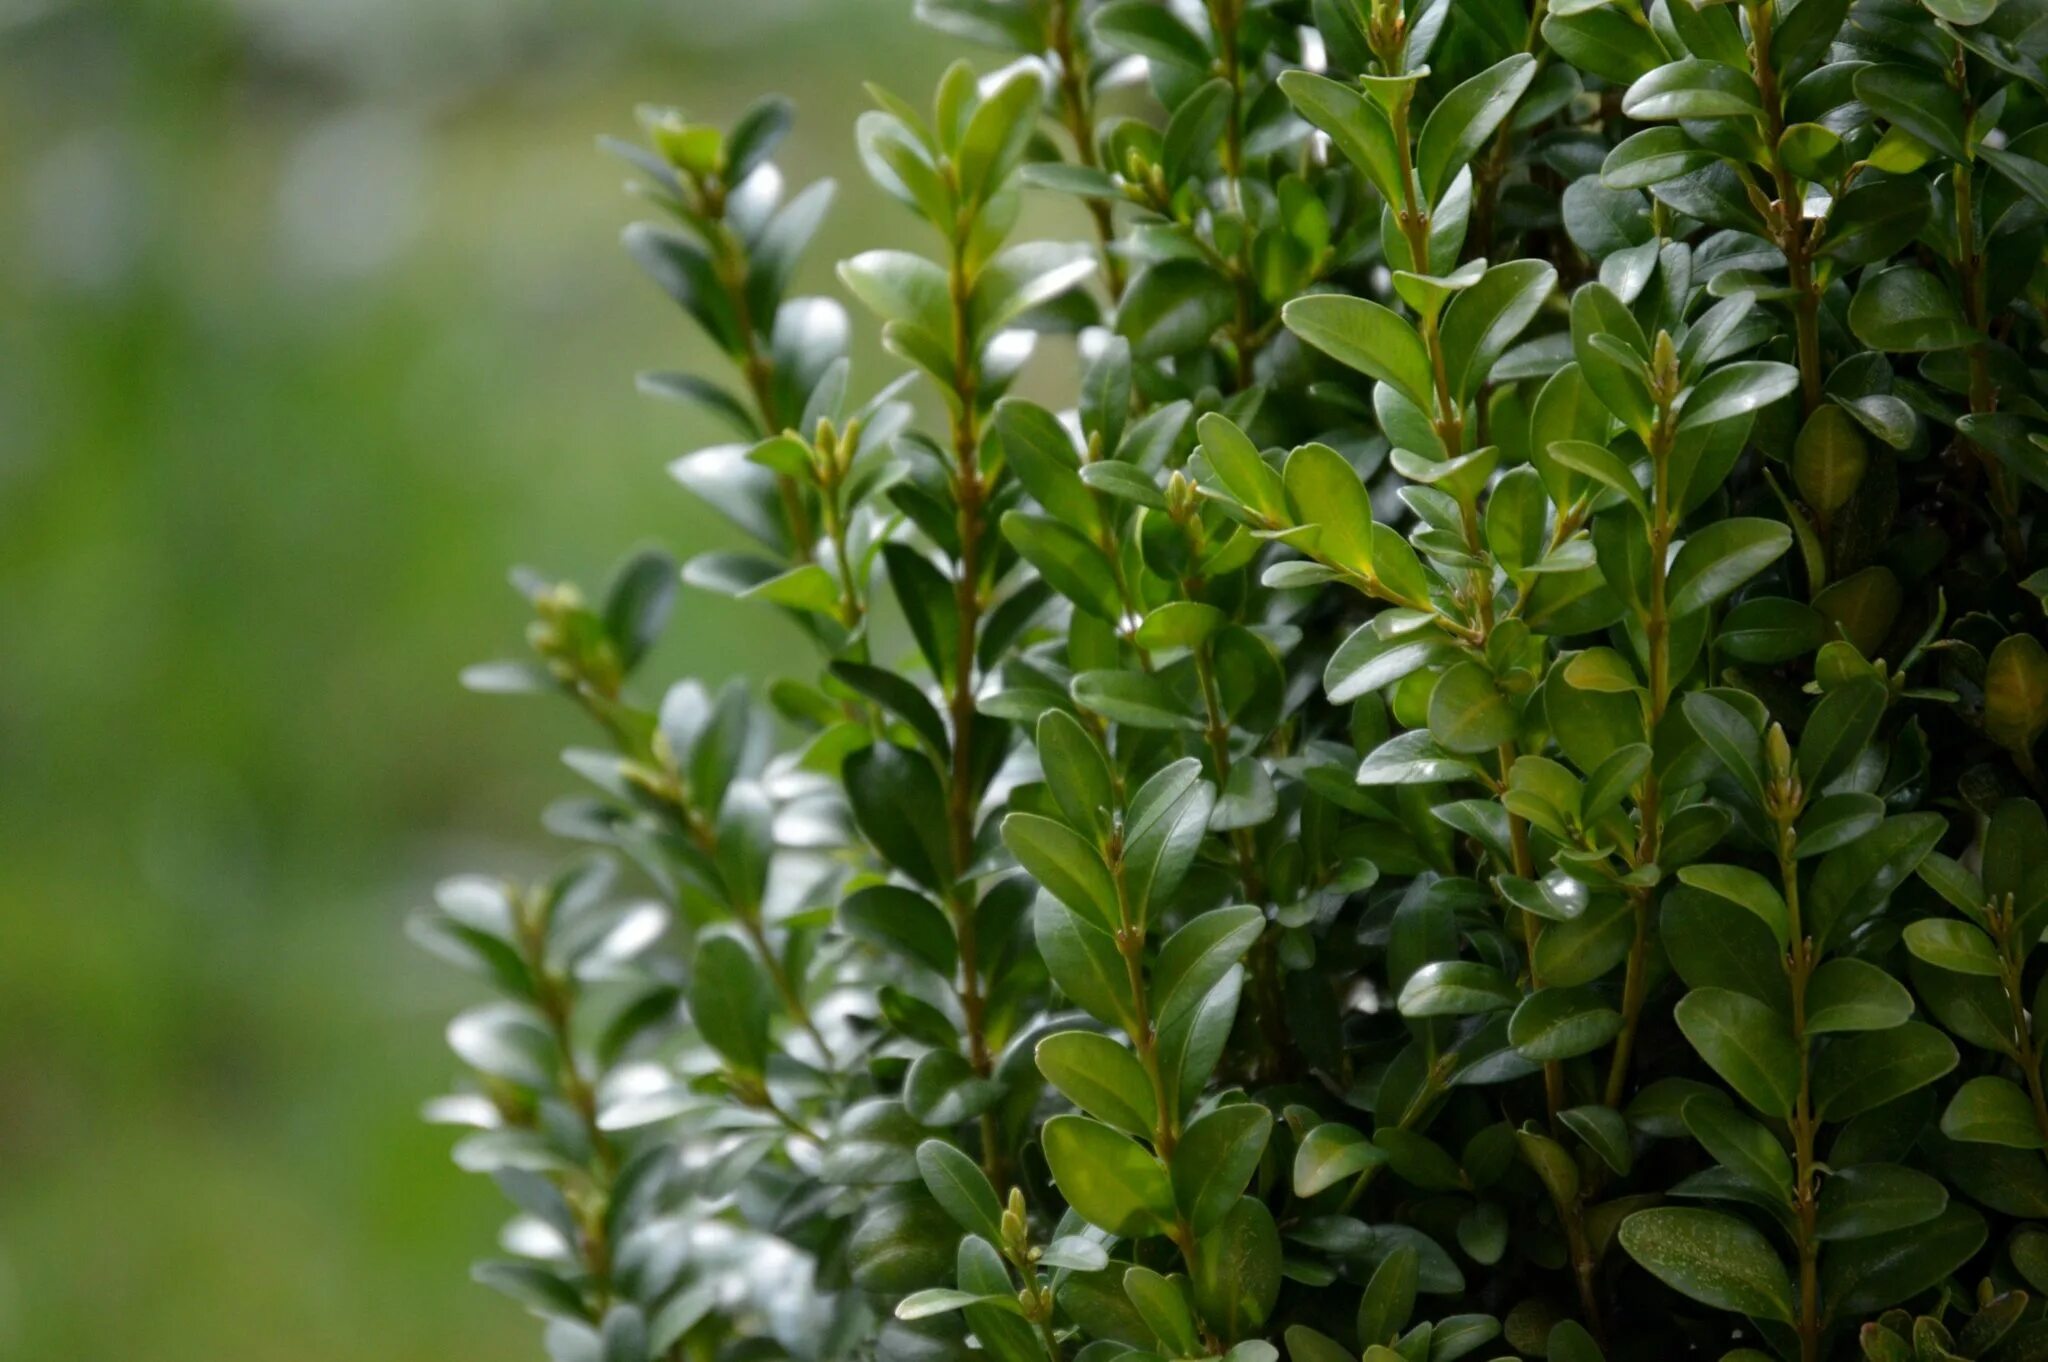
(313, 320)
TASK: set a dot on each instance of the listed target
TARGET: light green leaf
(900, 287)
(1245, 474)
(1324, 490)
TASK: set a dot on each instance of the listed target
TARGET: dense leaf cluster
(1467, 793)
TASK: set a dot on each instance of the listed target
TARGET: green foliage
(1420, 791)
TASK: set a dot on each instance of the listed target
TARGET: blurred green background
(312, 321)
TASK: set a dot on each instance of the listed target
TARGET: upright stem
(1130, 944)
(850, 607)
(1532, 932)
(691, 822)
(968, 492)
(1449, 421)
(1266, 998)
(1983, 391)
(1657, 640)
(700, 830)
(2011, 967)
(1787, 801)
(1077, 111)
(1794, 232)
(1224, 16)
(1490, 168)
(556, 1004)
(732, 268)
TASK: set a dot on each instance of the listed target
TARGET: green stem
(1130, 944)
(1223, 17)
(1268, 1005)
(1800, 963)
(1490, 169)
(556, 1003)
(1077, 111)
(699, 829)
(731, 265)
(970, 492)
(2011, 967)
(1793, 229)
(1649, 807)
(1983, 391)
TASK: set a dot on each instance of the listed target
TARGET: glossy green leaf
(1713, 1258)
(1215, 1158)
(1562, 1023)
(1357, 126)
(1455, 988)
(1993, 1110)
(1857, 1072)
(1955, 946)
(1100, 1077)
(1693, 88)
(1876, 1198)
(1332, 1153)
(1484, 320)
(1847, 994)
(1464, 120)
(1366, 337)
(1108, 1178)
(1867, 1275)
(1468, 712)
(959, 1185)
(1719, 558)
(1067, 866)
(1905, 308)
(1746, 1043)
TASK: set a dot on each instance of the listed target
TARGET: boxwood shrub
(1418, 744)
